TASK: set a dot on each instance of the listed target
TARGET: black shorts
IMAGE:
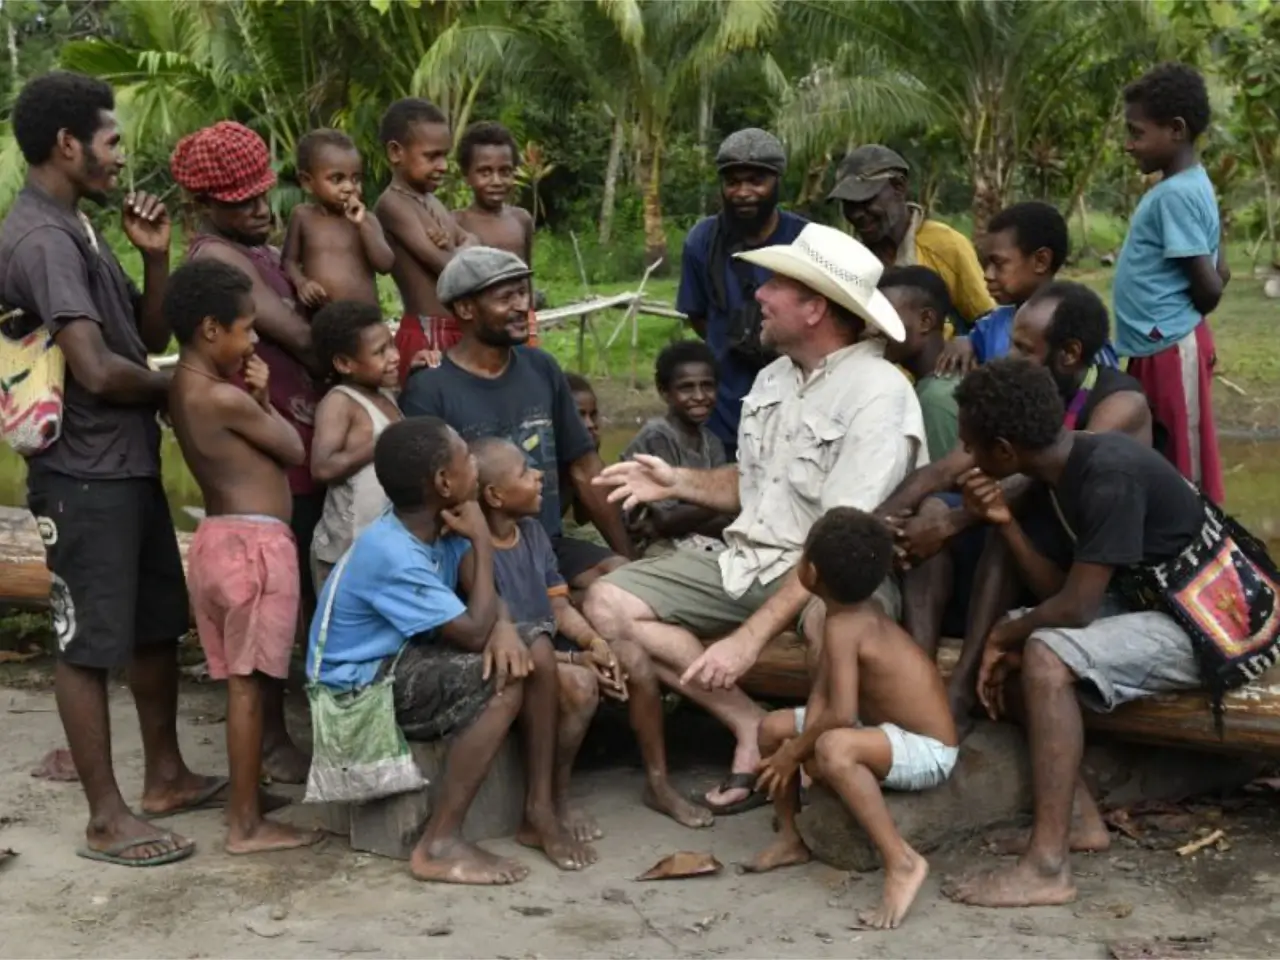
(575, 557)
(113, 556)
(307, 508)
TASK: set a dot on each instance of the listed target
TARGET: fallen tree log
(1251, 724)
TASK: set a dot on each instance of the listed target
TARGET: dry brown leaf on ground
(686, 863)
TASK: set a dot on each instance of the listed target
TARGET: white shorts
(919, 762)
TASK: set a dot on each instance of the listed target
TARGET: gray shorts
(1124, 656)
(685, 588)
(919, 762)
(439, 690)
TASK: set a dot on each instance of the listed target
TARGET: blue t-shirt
(1175, 220)
(529, 404)
(992, 336)
(391, 588)
(694, 299)
(526, 575)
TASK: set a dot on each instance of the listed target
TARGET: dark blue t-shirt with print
(529, 404)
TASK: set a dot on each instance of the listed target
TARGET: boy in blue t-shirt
(537, 599)
(1025, 247)
(463, 671)
(1171, 273)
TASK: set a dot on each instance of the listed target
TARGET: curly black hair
(926, 283)
(58, 101)
(1035, 226)
(1169, 91)
(335, 330)
(1078, 314)
(204, 288)
(579, 384)
(408, 455)
(676, 355)
(1011, 399)
(852, 553)
(485, 133)
(403, 114)
(313, 142)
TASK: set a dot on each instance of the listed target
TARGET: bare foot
(268, 836)
(285, 762)
(1019, 885)
(191, 791)
(1093, 838)
(560, 846)
(115, 834)
(581, 824)
(783, 852)
(902, 882)
(57, 765)
(663, 798)
(456, 861)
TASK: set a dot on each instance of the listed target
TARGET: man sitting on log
(830, 423)
(1121, 504)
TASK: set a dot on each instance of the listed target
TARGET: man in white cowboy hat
(829, 423)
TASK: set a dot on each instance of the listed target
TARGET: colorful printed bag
(32, 373)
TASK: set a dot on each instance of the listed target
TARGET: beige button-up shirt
(846, 436)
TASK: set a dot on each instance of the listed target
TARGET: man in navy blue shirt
(717, 292)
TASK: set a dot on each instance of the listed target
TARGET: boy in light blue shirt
(1171, 274)
(461, 670)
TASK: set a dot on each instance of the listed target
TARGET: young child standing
(537, 597)
(870, 670)
(1171, 272)
(423, 234)
(685, 373)
(333, 249)
(353, 343)
(243, 563)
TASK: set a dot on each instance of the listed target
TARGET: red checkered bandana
(227, 161)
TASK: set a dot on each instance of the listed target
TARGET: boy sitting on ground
(685, 373)
(243, 564)
(869, 670)
(333, 249)
(538, 600)
(354, 345)
(463, 671)
(488, 156)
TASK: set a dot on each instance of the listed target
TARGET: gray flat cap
(473, 269)
(863, 173)
(752, 147)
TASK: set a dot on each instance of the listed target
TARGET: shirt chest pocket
(812, 454)
(757, 423)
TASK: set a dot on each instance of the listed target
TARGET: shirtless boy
(243, 563)
(333, 249)
(422, 233)
(869, 670)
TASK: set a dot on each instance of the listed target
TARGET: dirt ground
(333, 902)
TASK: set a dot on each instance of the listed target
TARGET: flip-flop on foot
(736, 781)
(206, 799)
(114, 853)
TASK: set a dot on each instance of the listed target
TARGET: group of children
(409, 495)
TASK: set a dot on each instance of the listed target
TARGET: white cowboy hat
(836, 266)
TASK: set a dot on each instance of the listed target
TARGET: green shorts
(685, 588)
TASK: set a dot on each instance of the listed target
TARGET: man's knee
(1042, 667)
(610, 609)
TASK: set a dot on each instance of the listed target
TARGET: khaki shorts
(685, 588)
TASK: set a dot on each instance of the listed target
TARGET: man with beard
(118, 593)
(830, 423)
(871, 185)
(227, 170)
(1061, 327)
(491, 384)
(717, 290)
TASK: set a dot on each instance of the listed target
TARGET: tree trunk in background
(14, 80)
(705, 109)
(988, 199)
(650, 174)
(611, 177)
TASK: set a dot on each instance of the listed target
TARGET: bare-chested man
(243, 564)
(422, 233)
(334, 250)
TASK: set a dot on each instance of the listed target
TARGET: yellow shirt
(948, 253)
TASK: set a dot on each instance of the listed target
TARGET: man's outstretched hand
(645, 479)
(720, 666)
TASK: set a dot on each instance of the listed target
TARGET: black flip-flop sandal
(206, 799)
(736, 781)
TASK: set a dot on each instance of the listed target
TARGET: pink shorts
(243, 580)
